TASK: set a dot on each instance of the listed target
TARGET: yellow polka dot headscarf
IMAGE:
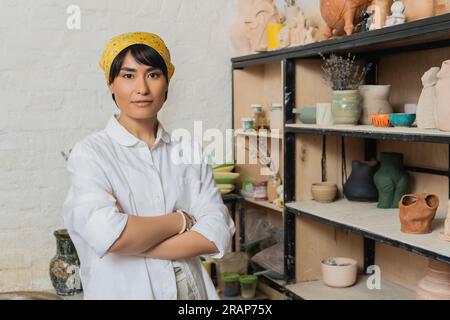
(117, 44)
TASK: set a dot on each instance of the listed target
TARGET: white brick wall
(53, 94)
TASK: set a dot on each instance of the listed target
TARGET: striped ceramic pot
(346, 107)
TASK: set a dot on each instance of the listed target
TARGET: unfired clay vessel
(436, 284)
(418, 9)
(427, 101)
(379, 9)
(445, 236)
(341, 15)
(375, 100)
(417, 212)
(443, 97)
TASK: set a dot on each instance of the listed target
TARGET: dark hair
(143, 54)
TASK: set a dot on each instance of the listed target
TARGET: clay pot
(417, 212)
(441, 7)
(427, 100)
(346, 107)
(418, 9)
(360, 185)
(324, 192)
(375, 100)
(442, 97)
(436, 284)
(339, 272)
(341, 15)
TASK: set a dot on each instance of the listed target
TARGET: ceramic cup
(339, 272)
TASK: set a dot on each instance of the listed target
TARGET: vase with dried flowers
(345, 75)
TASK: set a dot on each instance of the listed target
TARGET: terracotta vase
(65, 266)
(375, 100)
(392, 180)
(360, 185)
(346, 107)
(443, 97)
(436, 284)
(425, 114)
(441, 7)
(417, 212)
(341, 15)
(418, 9)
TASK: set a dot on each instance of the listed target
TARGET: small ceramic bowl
(324, 192)
(306, 115)
(380, 120)
(339, 272)
(248, 123)
(402, 119)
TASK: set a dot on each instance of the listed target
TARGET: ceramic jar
(427, 101)
(436, 284)
(418, 9)
(65, 266)
(392, 180)
(443, 97)
(375, 100)
(346, 107)
(417, 212)
(445, 236)
(339, 272)
(360, 185)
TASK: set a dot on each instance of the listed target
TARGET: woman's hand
(118, 206)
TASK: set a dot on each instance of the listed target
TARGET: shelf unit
(400, 54)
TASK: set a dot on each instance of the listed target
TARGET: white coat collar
(125, 138)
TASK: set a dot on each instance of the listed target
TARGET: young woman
(138, 214)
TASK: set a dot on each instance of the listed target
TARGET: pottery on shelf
(339, 272)
(442, 111)
(360, 185)
(324, 116)
(427, 101)
(379, 10)
(341, 15)
(65, 266)
(346, 107)
(402, 119)
(258, 15)
(418, 9)
(391, 179)
(380, 120)
(436, 284)
(445, 236)
(441, 7)
(324, 192)
(417, 212)
(375, 100)
(306, 115)
(397, 16)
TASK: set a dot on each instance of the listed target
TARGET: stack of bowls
(225, 178)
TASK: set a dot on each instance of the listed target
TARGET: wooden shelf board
(265, 204)
(365, 131)
(261, 134)
(380, 224)
(317, 290)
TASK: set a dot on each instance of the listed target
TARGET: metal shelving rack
(428, 33)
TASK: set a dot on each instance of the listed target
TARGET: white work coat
(147, 182)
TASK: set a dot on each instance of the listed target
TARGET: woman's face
(139, 90)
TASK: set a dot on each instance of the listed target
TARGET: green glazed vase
(392, 180)
(346, 107)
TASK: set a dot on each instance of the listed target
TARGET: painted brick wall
(53, 94)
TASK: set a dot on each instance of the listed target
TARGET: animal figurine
(341, 15)
(397, 17)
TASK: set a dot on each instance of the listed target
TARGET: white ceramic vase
(375, 101)
(442, 112)
(427, 101)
